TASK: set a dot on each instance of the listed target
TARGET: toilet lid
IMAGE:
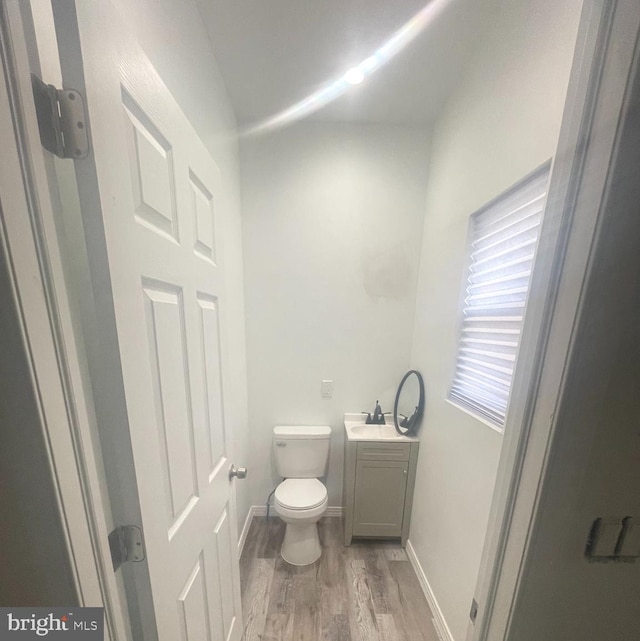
(301, 494)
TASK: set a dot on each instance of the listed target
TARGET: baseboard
(439, 621)
(261, 510)
(242, 539)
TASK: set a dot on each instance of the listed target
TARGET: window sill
(480, 419)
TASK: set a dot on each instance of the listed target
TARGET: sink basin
(359, 431)
(375, 431)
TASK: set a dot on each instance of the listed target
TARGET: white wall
(501, 123)
(173, 36)
(332, 219)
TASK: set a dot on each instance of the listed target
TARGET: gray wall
(332, 218)
(34, 569)
(500, 124)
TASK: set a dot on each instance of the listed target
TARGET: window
(502, 242)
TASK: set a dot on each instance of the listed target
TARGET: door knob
(240, 472)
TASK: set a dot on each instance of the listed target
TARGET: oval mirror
(409, 405)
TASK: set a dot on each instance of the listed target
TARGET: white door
(150, 196)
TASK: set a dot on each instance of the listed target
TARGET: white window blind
(503, 238)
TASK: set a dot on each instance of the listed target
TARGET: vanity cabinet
(379, 478)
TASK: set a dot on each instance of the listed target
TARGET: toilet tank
(301, 450)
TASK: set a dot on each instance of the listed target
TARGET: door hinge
(126, 544)
(62, 120)
(473, 613)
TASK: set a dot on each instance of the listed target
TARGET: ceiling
(274, 53)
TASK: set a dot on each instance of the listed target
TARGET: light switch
(326, 389)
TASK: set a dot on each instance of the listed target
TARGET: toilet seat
(300, 494)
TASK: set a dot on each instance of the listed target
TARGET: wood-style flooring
(365, 592)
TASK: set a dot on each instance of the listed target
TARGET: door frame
(46, 305)
(602, 67)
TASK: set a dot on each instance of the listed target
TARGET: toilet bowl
(300, 503)
(301, 454)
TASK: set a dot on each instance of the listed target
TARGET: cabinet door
(379, 498)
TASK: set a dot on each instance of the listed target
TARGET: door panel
(151, 198)
(210, 337)
(203, 221)
(223, 539)
(193, 602)
(152, 176)
(173, 420)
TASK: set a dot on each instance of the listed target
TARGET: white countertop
(357, 430)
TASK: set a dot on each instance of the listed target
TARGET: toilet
(301, 453)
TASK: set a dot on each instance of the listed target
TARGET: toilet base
(301, 545)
